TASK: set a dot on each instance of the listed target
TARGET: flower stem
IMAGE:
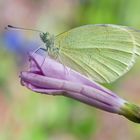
(131, 112)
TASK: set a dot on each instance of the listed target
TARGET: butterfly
(102, 52)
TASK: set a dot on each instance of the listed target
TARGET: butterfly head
(46, 38)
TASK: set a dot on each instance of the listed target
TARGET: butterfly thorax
(48, 40)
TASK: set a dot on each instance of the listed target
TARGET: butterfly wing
(101, 52)
(136, 34)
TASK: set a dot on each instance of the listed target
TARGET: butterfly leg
(36, 50)
(58, 59)
(66, 70)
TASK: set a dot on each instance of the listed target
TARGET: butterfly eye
(44, 37)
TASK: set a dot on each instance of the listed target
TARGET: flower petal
(52, 78)
(51, 68)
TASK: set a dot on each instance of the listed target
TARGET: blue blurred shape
(16, 42)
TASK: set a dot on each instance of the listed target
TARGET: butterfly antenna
(20, 28)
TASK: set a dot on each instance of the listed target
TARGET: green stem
(131, 112)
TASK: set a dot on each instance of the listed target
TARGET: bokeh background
(25, 115)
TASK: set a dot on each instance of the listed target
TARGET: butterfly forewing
(101, 52)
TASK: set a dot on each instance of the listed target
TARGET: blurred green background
(25, 115)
